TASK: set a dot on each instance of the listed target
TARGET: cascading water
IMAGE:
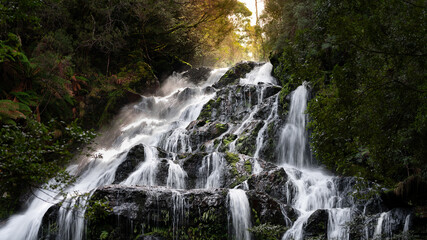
(146, 173)
(164, 147)
(176, 176)
(310, 190)
(240, 214)
(149, 122)
(211, 171)
(293, 139)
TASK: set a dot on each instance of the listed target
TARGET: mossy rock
(233, 75)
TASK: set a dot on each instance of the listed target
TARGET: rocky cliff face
(179, 188)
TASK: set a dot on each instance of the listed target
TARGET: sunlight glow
(250, 4)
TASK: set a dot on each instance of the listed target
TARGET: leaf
(10, 110)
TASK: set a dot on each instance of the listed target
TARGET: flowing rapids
(192, 140)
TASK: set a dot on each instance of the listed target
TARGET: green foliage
(221, 127)
(98, 210)
(32, 154)
(267, 231)
(365, 61)
(232, 158)
(228, 139)
(10, 111)
(104, 235)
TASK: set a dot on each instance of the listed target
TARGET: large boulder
(233, 75)
(317, 225)
(135, 156)
(197, 75)
(271, 182)
(139, 212)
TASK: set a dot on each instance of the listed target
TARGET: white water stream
(147, 122)
(161, 121)
(240, 214)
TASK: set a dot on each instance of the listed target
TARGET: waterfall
(407, 222)
(211, 171)
(178, 213)
(164, 148)
(176, 176)
(146, 173)
(308, 190)
(240, 214)
(293, 138)
(150, 122)
(379, 227)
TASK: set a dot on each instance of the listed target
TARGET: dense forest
(366, 63)
(68, 66)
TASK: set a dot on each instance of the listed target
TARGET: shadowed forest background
(67, 66)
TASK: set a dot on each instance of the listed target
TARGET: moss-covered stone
(140, 212)
(233, 75)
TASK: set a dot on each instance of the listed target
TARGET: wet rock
(232, 104)
(162, 172)
(135, 156)
(202, 131)
(197, 75)
(161, 212)
(272, 182)
(265, 209)
(186, 94)
(161, 153)
(233, 75)
(238, 169)
(269, 151)
(317, 225)
(291, 214)
(246, 143)
(346, 187)
(191, 165)
(270, 90)
(49, 226)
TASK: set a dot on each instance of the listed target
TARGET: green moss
(268, 231)
(228, 139)
(183, 155)
(246, 144)
(248, 166)
(283, 104)
(206, 112)
(221, 127)
(216, 142)
(257, 128)
(239, 180)
(231, 158)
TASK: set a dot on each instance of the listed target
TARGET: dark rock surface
(233, 75)
(271, 182)
(317, 225)
(135, 156)
(154, 211)
(197, 75)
